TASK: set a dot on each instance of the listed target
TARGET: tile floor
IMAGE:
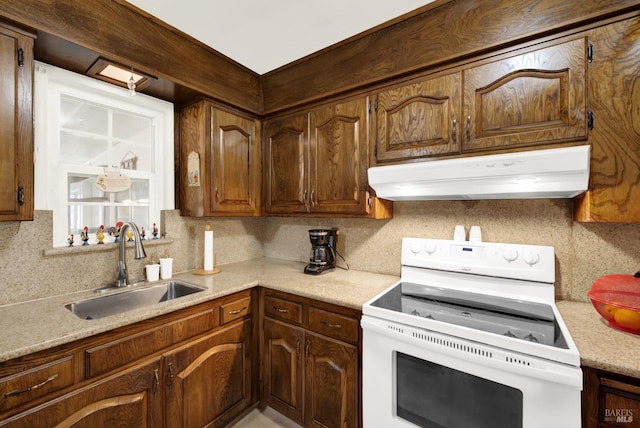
(268, 418)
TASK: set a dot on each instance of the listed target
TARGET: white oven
(470, 338)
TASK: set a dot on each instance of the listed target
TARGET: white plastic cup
(475, 234)
(153, 272)
(166, 268)
(459, 234)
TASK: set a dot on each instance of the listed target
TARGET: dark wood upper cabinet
(528, 99)
(315, 163)
(286, 165)
(614, 99)
(16, 124)
(220, 162)
(419, 119)
(339, 158)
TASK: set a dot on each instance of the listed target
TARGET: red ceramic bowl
(617, 300)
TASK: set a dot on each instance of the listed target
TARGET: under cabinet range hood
(550, 173)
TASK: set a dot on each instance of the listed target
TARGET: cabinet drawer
(36, 382)
(333, 325)
(283, 309)
(234, 310)
(106, 357)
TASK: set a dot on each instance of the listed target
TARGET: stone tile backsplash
(31, 269)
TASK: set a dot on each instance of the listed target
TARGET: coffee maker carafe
(323, 250)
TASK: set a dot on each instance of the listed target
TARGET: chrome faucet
(123, 276)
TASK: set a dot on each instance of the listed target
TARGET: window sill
(96, 248)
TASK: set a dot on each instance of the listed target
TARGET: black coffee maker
(323, 250)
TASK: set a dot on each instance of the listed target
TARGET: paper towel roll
(208, 248)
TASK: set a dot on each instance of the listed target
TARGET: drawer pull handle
(38, 385)
(331, 325)
(282, 311)
(237, 311)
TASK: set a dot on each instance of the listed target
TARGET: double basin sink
(138, 296)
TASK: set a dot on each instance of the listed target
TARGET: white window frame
(50, 176)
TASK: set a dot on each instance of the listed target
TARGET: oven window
(435, 396)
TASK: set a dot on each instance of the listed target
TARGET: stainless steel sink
(137, 297)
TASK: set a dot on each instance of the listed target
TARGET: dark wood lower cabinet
(331, 375)
(610, 400)
(283, 368)
(193, 368)
(197, 367)
(311, 370)
(208, 381)
(130, 398)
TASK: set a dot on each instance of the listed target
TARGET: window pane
(80, 115)
(82, 188)
(83, 149)
(137, 194)
(91, 216)
(132, 127)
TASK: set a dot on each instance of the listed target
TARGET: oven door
(414, 377)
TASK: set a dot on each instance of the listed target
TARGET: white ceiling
(263, 35)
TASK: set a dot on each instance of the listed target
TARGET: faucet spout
(123, 276)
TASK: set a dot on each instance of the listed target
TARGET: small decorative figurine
(100, 234)
(84, 236)
(115, 231)
(129, 235)
(143, 234)
(70, 240)
(155, 231)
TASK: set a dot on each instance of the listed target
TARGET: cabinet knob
(468, 128)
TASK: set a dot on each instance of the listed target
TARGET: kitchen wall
(32, 269)
(584, 251)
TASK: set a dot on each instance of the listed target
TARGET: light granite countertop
(45, 323)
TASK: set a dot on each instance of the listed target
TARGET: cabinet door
(529, 99)
(420, 119)
(286, 160)
(208, 381)
(236, 164)
(16, 126)
(283, 373)
(331, 391)
(614, 98)
(131, 398)
(339, 155)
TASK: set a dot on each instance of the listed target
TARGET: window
(85, 129)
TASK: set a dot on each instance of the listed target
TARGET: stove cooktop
(528, 321)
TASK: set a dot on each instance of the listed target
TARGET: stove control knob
(531, 338)
(510, 255)
(509, 334)
(430, 248)
(415, 249)
(531, 258)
